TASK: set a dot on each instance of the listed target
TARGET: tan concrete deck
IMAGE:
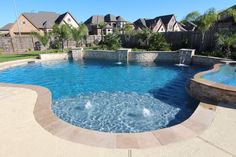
(22, 136)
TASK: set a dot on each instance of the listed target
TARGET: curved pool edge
(199, 121)
(206, 90)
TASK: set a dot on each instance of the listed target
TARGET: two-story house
(41, 22)
(166, 23)
(109, 21)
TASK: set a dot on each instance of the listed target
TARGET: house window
(23, 22)
(68, 20)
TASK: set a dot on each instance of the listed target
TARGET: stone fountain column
(77, 53)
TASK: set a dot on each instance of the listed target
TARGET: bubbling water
(88, 105)
(146, 112)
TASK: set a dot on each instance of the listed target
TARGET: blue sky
(129, 9)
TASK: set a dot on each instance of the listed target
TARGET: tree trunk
(102, 34)
(202, 42)
(62, 45)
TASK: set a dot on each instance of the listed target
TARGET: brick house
(112, 23)
(41, 22)
(166, 23)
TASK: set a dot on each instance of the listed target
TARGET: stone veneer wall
(206, 92)
(170, 56)
(127, 55)
(206, 60)
(54, 56)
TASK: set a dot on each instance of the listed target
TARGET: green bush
(111, 42)
(158, 42)
(225, 42)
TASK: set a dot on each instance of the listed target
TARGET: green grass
(12, 57)
(32, 54)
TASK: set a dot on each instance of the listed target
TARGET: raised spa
(109, 97)
(225, 75)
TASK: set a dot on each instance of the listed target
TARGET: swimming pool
(225, 75)
(104, 96)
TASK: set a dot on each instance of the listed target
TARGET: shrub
(225, 43)
(55, 44)
(158, 42)
(111, 42)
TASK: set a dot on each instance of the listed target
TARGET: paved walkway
(22, 136)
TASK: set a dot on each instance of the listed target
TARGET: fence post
(12, 44)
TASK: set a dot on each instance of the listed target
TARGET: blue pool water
(226, 75)
(107, 97)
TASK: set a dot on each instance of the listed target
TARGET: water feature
(146, 112)
(88, 105)
(182, 58)
(119, 59)
(101, 96)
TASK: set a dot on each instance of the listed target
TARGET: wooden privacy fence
(177, 40)
(191, 40)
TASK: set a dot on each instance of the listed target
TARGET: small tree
(111, 42)
(205, 22)
(158, 42)
(191, 17)
(144, 38)
(43, 38)
(62, 33)
(225, 41)
(128, 29)
(79, 34)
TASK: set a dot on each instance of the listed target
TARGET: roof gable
(62, 17)
(149, 23)
(42, 19)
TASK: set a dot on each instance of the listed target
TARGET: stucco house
(166, 23)
(41, 22)
(112, 22)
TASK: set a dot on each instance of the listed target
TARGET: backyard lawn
(32, 54)
(12, 57)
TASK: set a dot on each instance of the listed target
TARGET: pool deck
(21, 135)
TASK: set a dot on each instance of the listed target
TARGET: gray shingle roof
(95, 20)
(99, 19)
(42, 19)
(141, 23)
(119, 18)
(165, 19)
(6, 27)
(147, 23)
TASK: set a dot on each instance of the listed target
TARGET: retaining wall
(206, 60)
(205, 90)
(127, 55)
(54, 56)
